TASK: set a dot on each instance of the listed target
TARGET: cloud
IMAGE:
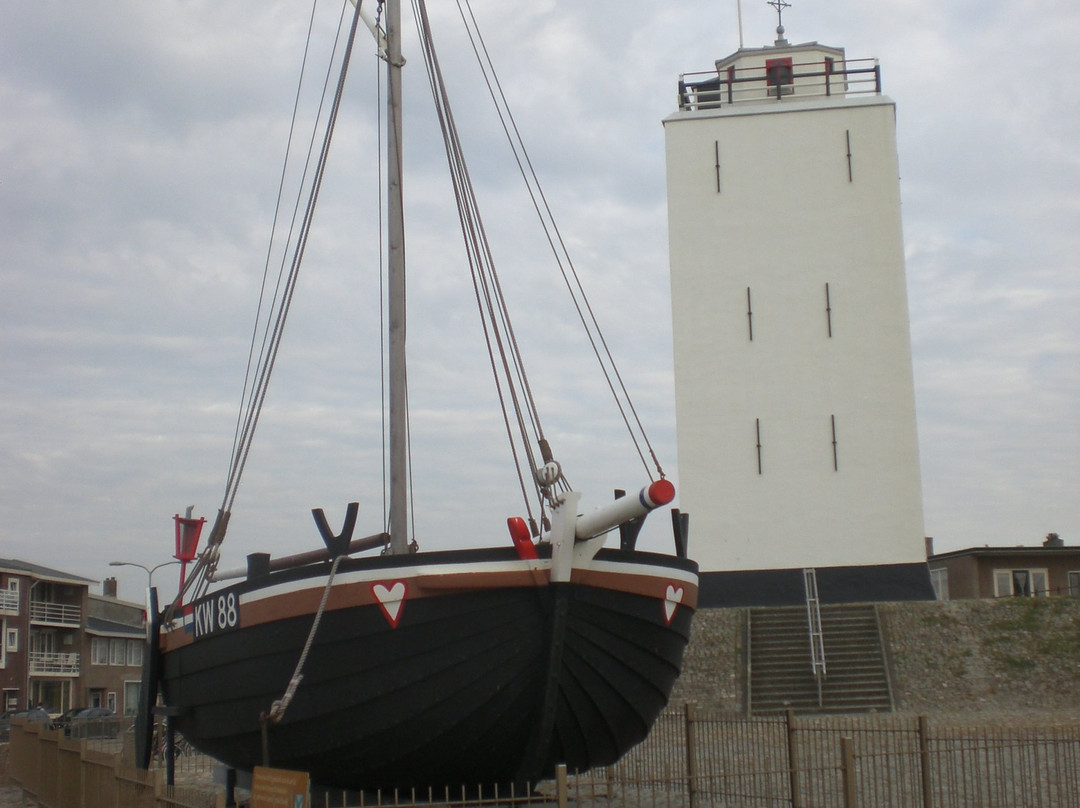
(140, 154)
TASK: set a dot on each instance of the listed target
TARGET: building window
(110, 702)
(9, 596)
(1074, 584)
(131, 697)
(939, 579)
(780, 73)
(99, 651)
(117, 652)
(1020, 583)
(11, 639)
(134, 653)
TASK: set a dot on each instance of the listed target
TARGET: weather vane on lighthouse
(779, 5)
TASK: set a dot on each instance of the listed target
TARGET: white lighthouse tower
(793, 379)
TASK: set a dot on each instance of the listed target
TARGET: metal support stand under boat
(169, 713)
(170, 752)
(230, 787)
(148, 692)
(264, 730)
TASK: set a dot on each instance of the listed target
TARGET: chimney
(108, 587)
(929, 545)
(1053, 540)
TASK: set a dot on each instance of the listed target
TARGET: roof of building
(110, 628)
(113, 600)
(1020, 549)
(44, 573)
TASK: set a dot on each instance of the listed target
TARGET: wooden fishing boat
(409, 668)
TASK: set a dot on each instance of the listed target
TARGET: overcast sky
(140, 151)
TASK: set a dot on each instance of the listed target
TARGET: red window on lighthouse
(779, 71)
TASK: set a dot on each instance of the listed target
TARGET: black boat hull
(484, 673)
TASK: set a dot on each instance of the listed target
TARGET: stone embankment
(1012, 655)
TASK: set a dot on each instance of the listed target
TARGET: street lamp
(148, 570)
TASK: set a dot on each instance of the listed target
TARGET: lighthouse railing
(778, 80)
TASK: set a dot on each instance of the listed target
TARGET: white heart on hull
(672, 598)
(391, 599)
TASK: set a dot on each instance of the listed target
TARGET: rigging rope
(555, 240)
(257, 382)
(504, 354)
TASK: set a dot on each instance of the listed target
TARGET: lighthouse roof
(805, 51)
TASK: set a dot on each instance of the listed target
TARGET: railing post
(691, 756)
(924, 762)
(793, 773)
(847, 765)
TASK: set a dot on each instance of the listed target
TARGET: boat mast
(399, 503)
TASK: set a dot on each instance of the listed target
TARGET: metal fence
(699, 758)
(694, 758)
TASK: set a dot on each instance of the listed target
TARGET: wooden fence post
(793, 773)
(847, 765)
(560, 785)
(691, 755)
(924, 762)
(116, 789)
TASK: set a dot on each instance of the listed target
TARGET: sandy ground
(11, 797)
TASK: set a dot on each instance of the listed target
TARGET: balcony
(53, 664)
(9, 602)
(55, 614)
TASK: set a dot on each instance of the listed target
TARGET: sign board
(279, 788)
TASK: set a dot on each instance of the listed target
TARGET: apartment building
(997, 572)
(64, 646)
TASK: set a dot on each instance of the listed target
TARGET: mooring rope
(278, 708)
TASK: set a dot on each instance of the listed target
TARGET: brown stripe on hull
(177, 638)
(359, 593)
(652, 584)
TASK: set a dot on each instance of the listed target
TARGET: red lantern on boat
(188, 531)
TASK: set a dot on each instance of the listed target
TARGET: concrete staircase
(780, 674)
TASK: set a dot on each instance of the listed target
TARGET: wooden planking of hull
(435, 669)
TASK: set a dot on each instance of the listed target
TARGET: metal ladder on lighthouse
(817, 638)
